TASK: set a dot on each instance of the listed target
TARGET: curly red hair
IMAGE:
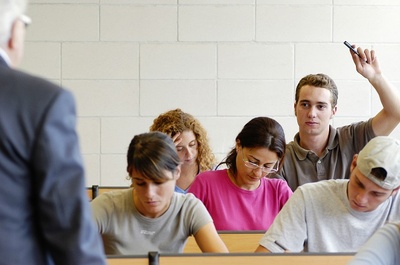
(177, 121)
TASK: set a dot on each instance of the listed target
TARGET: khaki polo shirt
(303, 166)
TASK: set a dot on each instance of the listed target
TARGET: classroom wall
(224, 61)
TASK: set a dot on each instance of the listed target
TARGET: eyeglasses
(26, 20)
(264, 169)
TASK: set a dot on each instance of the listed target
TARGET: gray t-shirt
(318, 218)
(126, 232)
(303, 166)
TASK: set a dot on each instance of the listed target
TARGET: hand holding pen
(353, 50)
(365, 61)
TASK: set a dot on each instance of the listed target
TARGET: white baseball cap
(381, 152)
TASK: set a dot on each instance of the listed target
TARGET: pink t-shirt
(233, 208)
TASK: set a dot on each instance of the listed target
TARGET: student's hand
(368, 64)
(177, 140)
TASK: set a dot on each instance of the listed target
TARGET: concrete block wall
(224, 61)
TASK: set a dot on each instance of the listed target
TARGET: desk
(235, 241)
(238, 259)
(96, 190)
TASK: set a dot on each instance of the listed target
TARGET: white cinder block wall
(224, 61)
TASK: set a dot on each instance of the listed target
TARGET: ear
(14, 36)
(177, 172)
(334, 109)
(15, 45)
(237, 145)
(353, 163)
(295, 111)
(395, 190)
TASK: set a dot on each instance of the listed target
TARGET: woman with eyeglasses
(242, 197)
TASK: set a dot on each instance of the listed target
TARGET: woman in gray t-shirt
(150, 216)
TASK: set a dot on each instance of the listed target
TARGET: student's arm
(208, 239)
(389, 117)
(381, 249)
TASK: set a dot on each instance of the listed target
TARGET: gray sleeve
(197, 215)
(289, 228)
(102, 208)
(381, 249)
(358, 134)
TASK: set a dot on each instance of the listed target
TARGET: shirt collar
(302, 153)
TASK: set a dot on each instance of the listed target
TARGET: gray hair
(9, 11)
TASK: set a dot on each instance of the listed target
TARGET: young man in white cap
(340, 215)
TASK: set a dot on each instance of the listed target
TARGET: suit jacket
(45, 216)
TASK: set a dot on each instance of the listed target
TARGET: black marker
(351, 48)
(280, 245)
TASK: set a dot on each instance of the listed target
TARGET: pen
(351, 48)
(280, 245)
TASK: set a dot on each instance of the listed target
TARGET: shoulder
(33, 90)
(187, 201)
(186, 198)
(275, 183)
(207, 182)
(277, 189)
(113, 200)
(355, 125)
(191, 210)
(30, 83)
(292, 144)
(330, 184)
(392, 228)
(294, 151)
(357, 128)
(211, 176)
(334, 189)
(212, 173)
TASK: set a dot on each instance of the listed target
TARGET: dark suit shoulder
(26, 103)
(29, 84)
(27, 92)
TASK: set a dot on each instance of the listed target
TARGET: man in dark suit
(45, 216)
